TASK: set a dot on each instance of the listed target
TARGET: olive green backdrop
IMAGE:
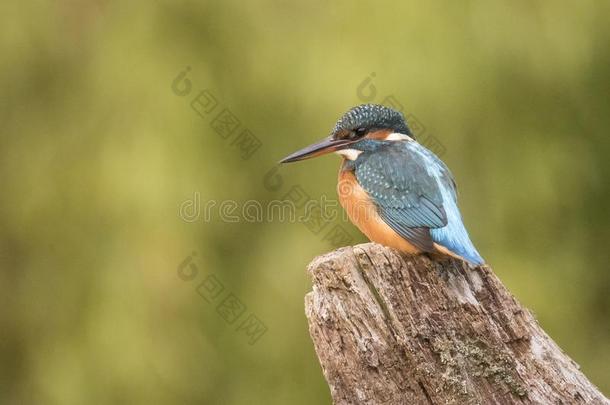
(111, 163)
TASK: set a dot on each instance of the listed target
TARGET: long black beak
(326, 145)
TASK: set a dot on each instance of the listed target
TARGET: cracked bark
(393, 329)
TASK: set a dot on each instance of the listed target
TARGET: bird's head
(357, 130)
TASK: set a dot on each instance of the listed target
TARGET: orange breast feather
(363, 213)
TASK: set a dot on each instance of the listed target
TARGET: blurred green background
(98, 153)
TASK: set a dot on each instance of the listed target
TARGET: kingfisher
(397, 192)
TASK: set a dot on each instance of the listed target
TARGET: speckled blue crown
(372, 117)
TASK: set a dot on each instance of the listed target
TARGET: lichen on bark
(396, 329)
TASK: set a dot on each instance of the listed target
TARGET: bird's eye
(359, 132)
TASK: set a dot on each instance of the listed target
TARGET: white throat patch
(398, 137)
(349, 154)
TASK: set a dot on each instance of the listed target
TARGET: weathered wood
(393, 329)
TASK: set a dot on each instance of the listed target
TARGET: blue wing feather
(416, 196)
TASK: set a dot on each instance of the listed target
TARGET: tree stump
(396, 329)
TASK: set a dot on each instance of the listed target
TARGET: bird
(396, 191)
